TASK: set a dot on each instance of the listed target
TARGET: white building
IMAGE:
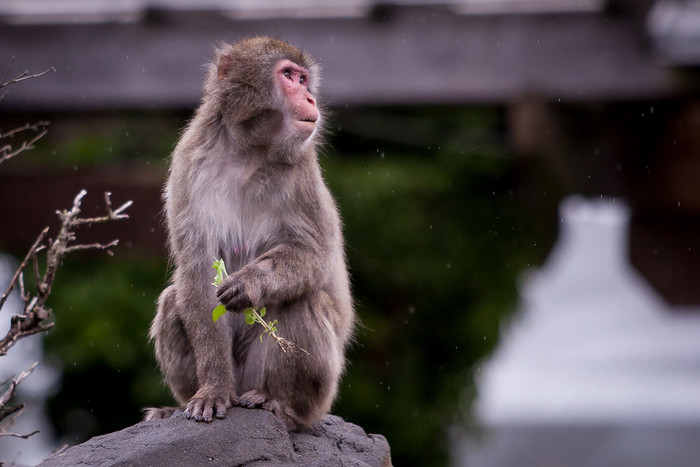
(595, 369)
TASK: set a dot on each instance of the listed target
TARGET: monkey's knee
(303, 391)
(166, 330)
(165, 312)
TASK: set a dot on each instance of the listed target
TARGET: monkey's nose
(310, 99)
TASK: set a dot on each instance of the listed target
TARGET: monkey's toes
(251, 400)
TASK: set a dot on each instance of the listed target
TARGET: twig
(7, 151)
(10, 392)
(11, 413)
(28, 126)
(271, 331)
(30, 255)
(31, 320)
(17, 435)
(22, 76)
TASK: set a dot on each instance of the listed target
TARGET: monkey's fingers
(224, 293)
(194, 409)
(233, 297)
(203, 410)
(228, 292)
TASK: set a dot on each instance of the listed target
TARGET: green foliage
(249, 317)
(144, 138)
(221, 273)
(436, 238)
(218, 312)
(252, 316)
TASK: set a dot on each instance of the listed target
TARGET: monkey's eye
(303, 79)
(287, 73)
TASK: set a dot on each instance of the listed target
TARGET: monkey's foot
(203, 406)
(159, 413)
(252, 400)
(257, 400)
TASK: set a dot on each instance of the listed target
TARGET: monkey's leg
(173, 353)
(298, 387)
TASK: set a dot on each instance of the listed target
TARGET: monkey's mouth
(308, 120)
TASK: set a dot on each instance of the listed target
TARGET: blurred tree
(437, 235)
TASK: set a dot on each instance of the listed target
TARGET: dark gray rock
(245, 437)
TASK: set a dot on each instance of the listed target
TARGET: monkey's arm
(192, 251)
(210, 344)
(283, 273)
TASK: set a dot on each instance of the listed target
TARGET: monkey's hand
(207, 402)
(233, 294)
(236, 295)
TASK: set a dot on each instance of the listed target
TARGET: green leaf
(250, 319)
(221, 273)
(262, 311)
(218, 312)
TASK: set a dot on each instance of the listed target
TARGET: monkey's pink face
(293, 80)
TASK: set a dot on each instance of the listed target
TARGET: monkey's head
(265, 90)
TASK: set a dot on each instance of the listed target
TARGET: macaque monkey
(245, 185)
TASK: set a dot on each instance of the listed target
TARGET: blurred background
(519, 184)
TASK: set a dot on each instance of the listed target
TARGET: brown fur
(246, 187)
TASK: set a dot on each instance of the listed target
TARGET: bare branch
(28, 126)
(7, 70)
(31, 320)
(94, 246)
(30, 254)
(35, 313)
(22, 76)
(10, 391)
(16, 435)
(7, 153)
(110, 216)
(23, 293)
(11, 413)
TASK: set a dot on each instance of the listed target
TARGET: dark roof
(153, 57)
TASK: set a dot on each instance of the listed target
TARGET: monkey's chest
(244, 228)
(241, 220)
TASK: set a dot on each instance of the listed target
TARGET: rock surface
(245, 437)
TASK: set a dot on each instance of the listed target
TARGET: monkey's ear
(224, 65)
